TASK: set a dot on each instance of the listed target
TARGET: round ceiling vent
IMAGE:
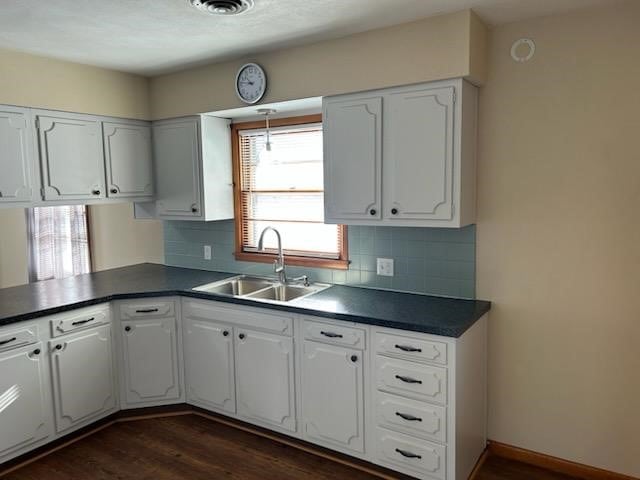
(223, 7)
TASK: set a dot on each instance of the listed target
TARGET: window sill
(299, 261)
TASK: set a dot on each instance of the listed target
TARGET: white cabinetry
(83, 376)
(127, 150)
(192, 162)
(150, 354)
(265, 378)
(25, 410)
(71, 156)
(16, 157)
(401, 156)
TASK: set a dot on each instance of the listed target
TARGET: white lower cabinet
(150, 349)
(209, 365)
(265, 378)
(82, 367)
(25, 412)
(333, 395)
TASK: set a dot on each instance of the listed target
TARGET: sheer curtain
(59, 242)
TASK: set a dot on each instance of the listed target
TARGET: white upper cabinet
(427, 162)
(71, 156)
(192, 162)
(127, 150)
(16, 180)
(352, 157)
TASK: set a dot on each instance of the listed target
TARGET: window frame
(340, 263)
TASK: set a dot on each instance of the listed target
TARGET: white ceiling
(150, 37)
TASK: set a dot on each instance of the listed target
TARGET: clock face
(251, 83)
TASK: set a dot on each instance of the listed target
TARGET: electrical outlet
(385, 267)
(207, 252)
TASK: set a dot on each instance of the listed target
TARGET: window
(283, 188)
(58, 242)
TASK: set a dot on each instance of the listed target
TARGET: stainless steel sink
(261, 289)
(237, 286)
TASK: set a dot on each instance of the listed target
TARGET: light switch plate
(207, 252)
(385, 267)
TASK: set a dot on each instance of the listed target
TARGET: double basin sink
(261, 289)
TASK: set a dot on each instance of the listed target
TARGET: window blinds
(283, 188)
(59, 242)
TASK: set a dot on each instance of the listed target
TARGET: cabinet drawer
(18, 337)
(78, 319)
(338, 335)
(248, 317)
(409, 348)
(410, 455)
(147, 309)
(411, 417)
(421, 382)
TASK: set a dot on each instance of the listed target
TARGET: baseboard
(479, 464)
(555, 464)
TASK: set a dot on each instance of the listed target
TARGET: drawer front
(79, 319)
(409, 348)
(18, 337)
(411, 417)
(410, 455)
(248, 317)
(337, 335)
(421, 382)
(147, 309)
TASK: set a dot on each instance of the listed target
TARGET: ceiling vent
(223, 7)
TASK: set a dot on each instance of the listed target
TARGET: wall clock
(251, 83)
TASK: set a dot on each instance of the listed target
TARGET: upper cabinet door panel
(418, 182)
(352, 158)
(128, 159)
(176, 150)
(71, 156)
(15, 156)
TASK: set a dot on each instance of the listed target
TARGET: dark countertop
(420, 313)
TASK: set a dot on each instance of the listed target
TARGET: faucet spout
(278, 265)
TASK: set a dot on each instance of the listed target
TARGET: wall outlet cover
(207, 252)
(385, 267)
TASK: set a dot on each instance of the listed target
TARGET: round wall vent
(223, 7)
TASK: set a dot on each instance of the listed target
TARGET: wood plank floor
(194, 448)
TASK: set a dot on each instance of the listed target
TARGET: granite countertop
(420, 313)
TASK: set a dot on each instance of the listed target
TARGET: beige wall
(558, 236)
(434, 48)
(33, 81)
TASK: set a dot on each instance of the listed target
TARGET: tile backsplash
(437, 261)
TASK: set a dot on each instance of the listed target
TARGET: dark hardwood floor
(194, 448)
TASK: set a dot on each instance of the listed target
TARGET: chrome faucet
(278, 265)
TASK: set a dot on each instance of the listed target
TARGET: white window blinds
(58, 242)
(283, 188)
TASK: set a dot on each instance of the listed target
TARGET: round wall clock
(251, 83)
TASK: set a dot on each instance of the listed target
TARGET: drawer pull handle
(146, 310)
(404, 348)
(4, 342)
(408, 379)
(410, 418)
(81, 322)
(331, 334)
(404, 453)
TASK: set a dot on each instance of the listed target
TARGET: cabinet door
(209, 370)
(128, 159)
(83, 380)
(176, 151)
(332, 395)
(71, 157)
(150, 361)
(25, 415)
(352, 129)
(16, 180)
(418, 154)
(264, 378)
